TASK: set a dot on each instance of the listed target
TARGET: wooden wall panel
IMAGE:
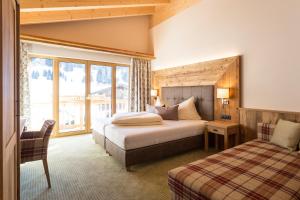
(250, 117)
(203, 73)
(230, 79)
(221, 73)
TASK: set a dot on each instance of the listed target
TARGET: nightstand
(222, 128)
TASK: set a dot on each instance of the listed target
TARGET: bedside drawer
(215, 130)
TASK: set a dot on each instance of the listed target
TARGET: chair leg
(45, 163)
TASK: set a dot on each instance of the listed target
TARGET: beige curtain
(24, 82)
(140, 84)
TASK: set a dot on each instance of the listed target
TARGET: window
(76, 93)
(41, 91)
(72, 94)
(101, 92)
(122, 83)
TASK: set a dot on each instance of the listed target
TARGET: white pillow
(187, 110)
(286, 134)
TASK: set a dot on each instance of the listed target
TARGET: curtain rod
(87, 46)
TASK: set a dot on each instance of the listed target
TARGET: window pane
(41, 91)
(122, 84)
(101, 84)
(71, 96)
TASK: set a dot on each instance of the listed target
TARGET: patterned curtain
(140, 84)
(24, 82)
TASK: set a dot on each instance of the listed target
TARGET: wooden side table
(222, 128)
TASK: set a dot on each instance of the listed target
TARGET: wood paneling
(8, 100)
(86, 46)
(203, 73)
(45, 11)
(230, 79)
(221, 73)
(250, 117)
(164, 12)
(38, 17)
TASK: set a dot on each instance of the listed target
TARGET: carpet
(81, 170)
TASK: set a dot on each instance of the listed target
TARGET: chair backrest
(47, 128)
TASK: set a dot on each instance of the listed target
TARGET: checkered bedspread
(254, 170)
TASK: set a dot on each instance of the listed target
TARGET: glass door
(100, 92)
(71, 96)
(122, 89)
(40, 82)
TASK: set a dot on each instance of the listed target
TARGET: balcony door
(101, 92)
(78, 95)
(72, 92)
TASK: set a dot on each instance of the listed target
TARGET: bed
(134, 145)
(256, 170)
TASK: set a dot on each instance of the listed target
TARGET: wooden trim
(18, 98)
(87, 46)
(266, 110)
(87, 96)
(72, 4)
(55, 95)
(72, 133)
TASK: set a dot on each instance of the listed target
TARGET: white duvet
(136, 119)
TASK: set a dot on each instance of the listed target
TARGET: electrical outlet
(226, 117)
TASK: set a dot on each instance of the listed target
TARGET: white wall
(265, 32)
(76, 53)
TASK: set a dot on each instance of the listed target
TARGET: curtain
(140, 84)
(24, 82)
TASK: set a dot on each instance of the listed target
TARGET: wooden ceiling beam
(47, 5)
(75, 15)
(40, 39)
(165, 12)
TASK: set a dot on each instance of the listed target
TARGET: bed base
(99, 138)
(132, 157)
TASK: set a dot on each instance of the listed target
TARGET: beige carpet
(80, 169)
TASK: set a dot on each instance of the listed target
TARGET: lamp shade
(154, 93)
(223, 93)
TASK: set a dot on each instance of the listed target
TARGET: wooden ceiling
(51, 11)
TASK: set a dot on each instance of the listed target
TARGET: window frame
(88, 64)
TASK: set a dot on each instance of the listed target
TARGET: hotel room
(150, 100)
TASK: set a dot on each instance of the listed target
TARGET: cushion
(168, 113)
(150, 109)
(187, 110)
(286, 134)
(265, 131)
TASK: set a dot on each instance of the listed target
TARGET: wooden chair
(34, 146)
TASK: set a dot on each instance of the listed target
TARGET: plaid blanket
(254, 170)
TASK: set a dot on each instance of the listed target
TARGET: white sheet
(132, 137)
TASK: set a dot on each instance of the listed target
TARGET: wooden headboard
(204, 96)
(222, 73)
(250, 117)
